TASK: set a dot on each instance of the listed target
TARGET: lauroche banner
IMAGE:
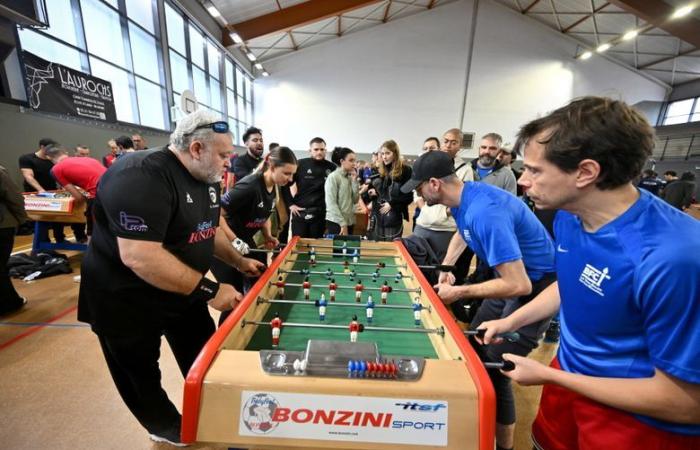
(56, 88)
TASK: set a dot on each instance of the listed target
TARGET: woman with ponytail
(246, 209)
(342, 193)
(389, 204)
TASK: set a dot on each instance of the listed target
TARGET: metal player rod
(340, 247)
(346, 304)
(322, 261)
(513, 336)
(363, 256)
(504, 365)
(350, 288)
(263, 250)
(335, 274)
(440, 331)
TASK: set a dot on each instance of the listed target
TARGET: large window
(683, 111)
(199, 64)
(120, 41)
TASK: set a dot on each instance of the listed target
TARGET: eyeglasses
(218, 127)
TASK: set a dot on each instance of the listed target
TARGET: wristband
(206, 290)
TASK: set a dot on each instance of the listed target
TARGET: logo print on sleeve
(132, 223)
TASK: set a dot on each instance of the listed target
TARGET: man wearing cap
(435, 223)
(507, 236)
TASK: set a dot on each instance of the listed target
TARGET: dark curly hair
(339, 154)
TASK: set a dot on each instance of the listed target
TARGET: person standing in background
(12, 215)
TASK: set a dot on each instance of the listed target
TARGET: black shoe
(551, 336)
(14, 307)
(170, 436)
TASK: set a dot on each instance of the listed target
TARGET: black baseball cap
(435, 164)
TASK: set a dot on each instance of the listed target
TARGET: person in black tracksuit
(309, 205)
(389, 204)
(247, 208)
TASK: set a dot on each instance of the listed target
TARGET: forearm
(546, 304)
(35, 184)
(456, 247)
(224, 228)
(267, 229)
(158, 267)
(495, 288)
(223, 249)
(660, 396)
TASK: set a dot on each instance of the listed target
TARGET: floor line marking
(34, 329)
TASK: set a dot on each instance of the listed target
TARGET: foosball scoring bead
(297, 365)
(363, 368)
(351, 367)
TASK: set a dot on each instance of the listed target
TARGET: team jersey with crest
(630, 296)
(248, 205)
(145, 196)
(499, 228)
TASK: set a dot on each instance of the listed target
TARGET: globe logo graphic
(257, 413)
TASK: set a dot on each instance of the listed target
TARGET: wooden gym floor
(57, 392)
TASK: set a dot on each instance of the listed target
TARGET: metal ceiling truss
(651, 21)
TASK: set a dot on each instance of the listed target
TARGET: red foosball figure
(276, 326)
(358, 291)
(280, 287)
(354, 328)
(307, 288)
(332, 288)
(385, 289)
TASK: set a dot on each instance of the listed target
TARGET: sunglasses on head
(218, 127)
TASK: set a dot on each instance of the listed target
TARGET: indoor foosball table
(341, 343)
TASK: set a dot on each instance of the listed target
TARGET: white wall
(405, 80)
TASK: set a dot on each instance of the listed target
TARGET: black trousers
(492, 309)
(309, 228)
(133, 364)
(58, 233)
(334, 228)
(9, 298)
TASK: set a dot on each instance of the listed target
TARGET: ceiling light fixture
(236, 37)
(258, 66)
(630, 35)
(603, 47)
(251, 56)
(682, 12)
(585, 55)
(213, 11)
(265, 74)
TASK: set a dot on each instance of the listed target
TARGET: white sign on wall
(343, 418)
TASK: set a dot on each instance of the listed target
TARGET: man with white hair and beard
(143, 274)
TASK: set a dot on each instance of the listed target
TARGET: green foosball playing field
(389, 342)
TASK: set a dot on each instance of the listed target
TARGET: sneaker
(171, 436)
(551, 336)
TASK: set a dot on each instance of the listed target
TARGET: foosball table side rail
(195, 377)
(482, 382)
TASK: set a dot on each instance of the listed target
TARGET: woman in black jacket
(389, 204)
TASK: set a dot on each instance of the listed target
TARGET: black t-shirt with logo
(42, 171)
(248, 205)
(147, 196)
(243, 165)
(310, 180)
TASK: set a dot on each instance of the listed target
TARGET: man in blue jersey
(506, 235)
(627, 373)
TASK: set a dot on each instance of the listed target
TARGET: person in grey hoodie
(342, 193)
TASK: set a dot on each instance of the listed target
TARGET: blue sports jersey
(630, 296)
(499, 228)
